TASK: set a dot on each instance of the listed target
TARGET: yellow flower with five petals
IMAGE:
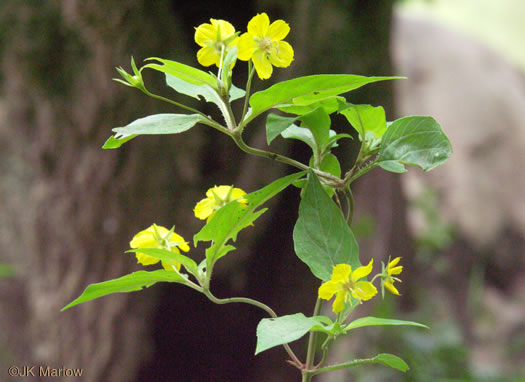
(387, 278)
(216, 197)
(215, 40)
(264, 46)
(158, 237)
(345, 283)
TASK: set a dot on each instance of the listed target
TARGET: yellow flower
(215, 40)
(264, 46)
(345, 282)
(216, 197)
(158, 237)
(387, 280)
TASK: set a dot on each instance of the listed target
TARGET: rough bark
(69, 208)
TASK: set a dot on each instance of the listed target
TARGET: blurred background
(69, 209)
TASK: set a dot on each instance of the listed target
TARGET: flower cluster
(346, 283)
(158, 237)
(262, 44)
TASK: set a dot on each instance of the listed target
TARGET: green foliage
(153, 125)
(130, 283)
(273, 332)
(415, 141)
(322, 238)
(374, 321)
(184, 72)
(303, 91)
(366, 119)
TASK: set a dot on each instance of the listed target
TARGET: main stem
(310, 354)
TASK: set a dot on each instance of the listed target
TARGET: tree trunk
(69, 209)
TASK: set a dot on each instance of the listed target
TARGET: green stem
(329, 178)
(310, 353)
(258, 304)
(344, 365)
(360, 173)
(251, 71)
(351, 205)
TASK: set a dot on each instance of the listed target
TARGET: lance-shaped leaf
(273, 332)
(307, 90)
(322, 237)
(130, 283)
(182, 71)
(153, 124)
(229, 220)
(416, 141)
(385, 359)
(374, 321)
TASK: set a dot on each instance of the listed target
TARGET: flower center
(265, 44)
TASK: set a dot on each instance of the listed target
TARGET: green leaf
(273, 332)
(322, 237)
(196, 91)
(168, 257)
(276, 124)
(130, 283)
(330, 164)
(318, 122)
(300, 133)
(307, 90)
(374, 321)
(158, 124)
(392, 361)
(229, 220)
(416, 141)
(366, 118)
(330, 105)
(114, 143)
(184, 72)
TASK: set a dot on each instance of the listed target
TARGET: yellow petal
(364, 290)
(146, 238)
(204, 208)
(341, 273)
(262, 65)
(208, 56)
(281, 54)
(390, 286)
(363, 271)
(394, 262)
(176, 238)
(278, 30)
(205, 33)
(395, 270)
(225, 27)
(258, 25)
(339, 302)
(221, 191)
(237, 193)
(246, 46)
(145, 259)
(328, 289)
